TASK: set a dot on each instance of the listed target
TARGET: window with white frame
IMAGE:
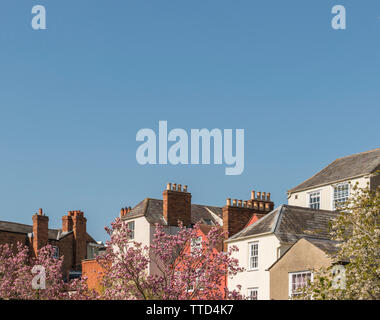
(314, 200)
(196, 243)
(298, 281)
(252, 293)
(253, 255)
(55, 252)
(341, 194)
(131, 227)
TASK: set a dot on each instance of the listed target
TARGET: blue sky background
(72, 97)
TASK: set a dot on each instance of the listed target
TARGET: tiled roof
(290, 223)
(326, 245)
(152, 209)
(343, 168)
(53, 234)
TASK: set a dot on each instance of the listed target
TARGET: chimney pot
(185, 188)
(174, 187)
(228, 202)
(169, 186)
(263, 196)
(268, 196)
(40, 212)
(239, 203)
(253, 194)
(245, 204)
(179, 188)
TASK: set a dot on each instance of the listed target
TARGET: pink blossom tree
(18, 272)
(181, 272)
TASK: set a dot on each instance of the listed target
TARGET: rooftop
(351, 166)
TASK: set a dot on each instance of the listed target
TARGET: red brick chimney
(67, 222)
(177, 205)
(76, 222)
(237, 214)
(40, 231)
(80, 236)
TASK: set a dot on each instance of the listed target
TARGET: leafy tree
(357, 229)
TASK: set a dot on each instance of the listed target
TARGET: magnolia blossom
(18, 269)
(179, 273)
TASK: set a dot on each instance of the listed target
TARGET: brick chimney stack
(40, 231)
(67, 222)
(177, 205)
(237, 214)
(76, 222)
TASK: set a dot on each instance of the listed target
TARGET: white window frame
(343, 184)
(250, 294)
(250, 255)
(290, 280)
(131, 226)
(56, 252)
(196, 243)
(309, 195)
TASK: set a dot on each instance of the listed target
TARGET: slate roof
(152, 209)
(343, 168)
(290, 223)
(326, 245)
(53, 234)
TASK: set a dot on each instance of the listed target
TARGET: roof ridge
(330, 164)
(19, 223)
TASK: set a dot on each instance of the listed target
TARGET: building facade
(71, 241)
(332, 186)
(266, 240)
(291, 273)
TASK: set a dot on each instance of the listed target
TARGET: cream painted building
(291, 273)
(333, 185)
(265, 241)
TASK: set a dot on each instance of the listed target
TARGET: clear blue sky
(72, 97)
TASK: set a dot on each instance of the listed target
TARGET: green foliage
(357, 229)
